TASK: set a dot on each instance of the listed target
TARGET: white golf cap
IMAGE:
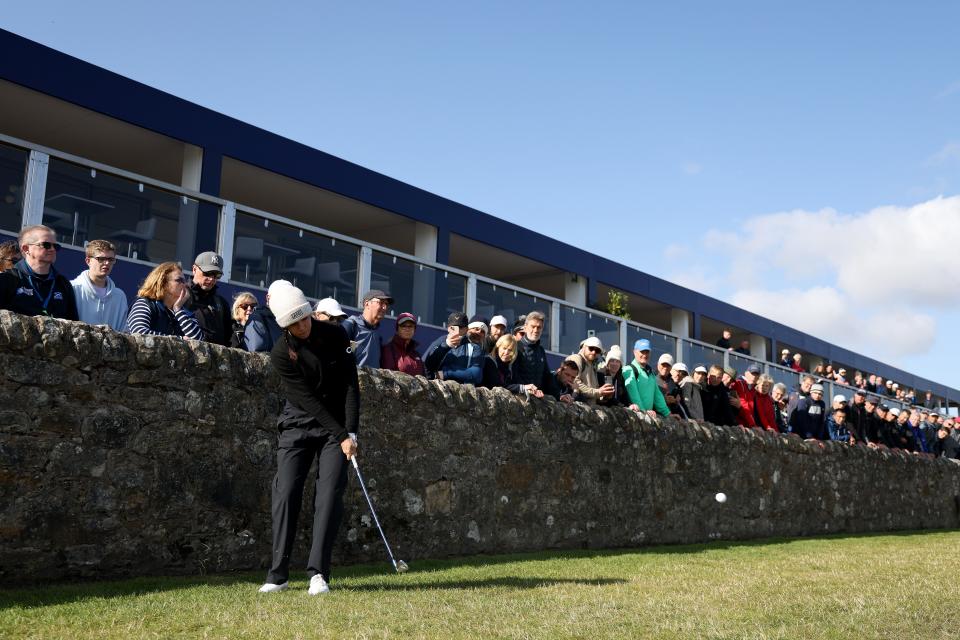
(839, 398)
(700, 369)
(592, 341)
(277, 284)
(680, 367)
(666, 358)
(498, 320)
(816, 387)
(330, 307)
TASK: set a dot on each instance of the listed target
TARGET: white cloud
(871, 282)
(948, 153)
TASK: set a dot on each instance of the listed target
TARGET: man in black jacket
(716, 399)
(210, 308)
(320, 416)
(33, 287)
(532, 367)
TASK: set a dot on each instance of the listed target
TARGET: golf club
(399, 565)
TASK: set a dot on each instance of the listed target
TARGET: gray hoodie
(109, 310)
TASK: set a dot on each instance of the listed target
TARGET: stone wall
(124, 455)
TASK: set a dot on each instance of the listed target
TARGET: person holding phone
(454, 356)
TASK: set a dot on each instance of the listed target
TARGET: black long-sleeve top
(319, 381)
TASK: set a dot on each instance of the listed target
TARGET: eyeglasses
(104, 259)
(56, 246)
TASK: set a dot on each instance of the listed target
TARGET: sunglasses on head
(56, 246)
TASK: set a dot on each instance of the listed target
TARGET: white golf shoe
(269, 587)
(318, 585)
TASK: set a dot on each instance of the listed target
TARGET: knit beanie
(289, 305)
(277, 284)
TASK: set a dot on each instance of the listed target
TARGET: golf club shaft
(373, 512)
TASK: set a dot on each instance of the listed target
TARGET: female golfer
(319, 419)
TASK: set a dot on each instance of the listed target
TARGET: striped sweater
(151, 317)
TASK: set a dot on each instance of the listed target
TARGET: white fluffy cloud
(870, 281)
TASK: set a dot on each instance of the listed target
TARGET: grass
(872, 586)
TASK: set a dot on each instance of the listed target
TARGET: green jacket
(643, 390)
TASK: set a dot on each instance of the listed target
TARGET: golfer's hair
(507, 341)
(155, 284)
(27, 232)
(535, 315)
(101, 246)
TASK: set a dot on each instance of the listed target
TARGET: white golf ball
(721, 497)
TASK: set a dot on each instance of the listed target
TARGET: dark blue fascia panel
(51, 72)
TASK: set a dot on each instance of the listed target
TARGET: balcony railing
(153, 221)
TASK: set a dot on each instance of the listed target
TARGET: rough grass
(882, 586)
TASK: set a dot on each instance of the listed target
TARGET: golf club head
(402, 567)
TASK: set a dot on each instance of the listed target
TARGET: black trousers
(295, 453)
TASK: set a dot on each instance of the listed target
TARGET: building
(94, 154)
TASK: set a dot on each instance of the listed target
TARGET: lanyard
(36, 291)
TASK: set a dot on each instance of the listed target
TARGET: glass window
(323, 267)
(147, 223)
(694, 354)
(740, 362)
(428, 293)
(13, 169)
(788, 377)
(577, 325)
(493, 300)
(660, 343)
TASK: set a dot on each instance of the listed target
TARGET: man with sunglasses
(587, 382)
(210, 308)
(33, 287)
(99, 300)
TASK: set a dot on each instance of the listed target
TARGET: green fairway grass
(872, 586)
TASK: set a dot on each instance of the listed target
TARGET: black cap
(873, 399)
(377, 293)
(457, 319)
(859, 392)
(755, 369)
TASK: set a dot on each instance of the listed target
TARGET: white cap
(592, 341)
(680, 367)
(839, 398)
(276, 284)
(700, 369)
(666, 358)
(289, 305)
(816, 387)
(330, 307)
(785, 352)
(895, 411)
(495, 320)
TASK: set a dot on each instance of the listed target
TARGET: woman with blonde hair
(498, 368)
(243, 305)
(158, 309)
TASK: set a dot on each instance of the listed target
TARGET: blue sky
(760, 153)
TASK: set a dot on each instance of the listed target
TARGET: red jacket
(401, 357)
(764, 408)
(746, 395)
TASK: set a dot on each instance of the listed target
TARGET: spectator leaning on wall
(400, 354)
(99, 300)
(158, 309)
(33, 287)
(362, 328)
(590, 391)
(454, 356)
(210, 308)
(532, 367)
(641, 383)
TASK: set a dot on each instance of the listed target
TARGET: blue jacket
(463, 363)
(262, 330)
(837, 432)
(367, 350)
(808, 420)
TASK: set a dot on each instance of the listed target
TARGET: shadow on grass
(42, 596)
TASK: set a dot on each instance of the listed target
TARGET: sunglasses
(56, 246)
(248, 305)
(216, 275)
(595, 350)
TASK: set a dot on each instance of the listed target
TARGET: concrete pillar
(758, 346)
(425, 242)
(575, 289)
(680, 322)
(190, 177)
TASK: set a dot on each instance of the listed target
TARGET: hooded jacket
(262, 330)
(463, 363)
(110, 310)
(587, 381)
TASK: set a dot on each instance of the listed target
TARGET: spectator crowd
(489, 353)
